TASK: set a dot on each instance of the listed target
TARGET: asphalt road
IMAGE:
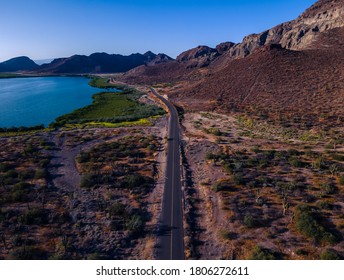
(171, 234)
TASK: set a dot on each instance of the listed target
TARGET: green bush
(319, 163)
(83, 157)
(133, 181)
(225, 234)
(41, 174)
(97, 256)
(338, 157)
(222, 186)
(44, 163)
(256, 149)
(307, 225)
(293, 152)
(3, 215)
(324, 204)
(27, 174)
(101, 83)
(34, 216)
(341, 180)
(327, 189)
(4, 167)
(260, 253)
(29, 150)
(9, 181)
(22, 128)
(301, 252)
(11, 174)
(19, 192)
(250, 222)
(117, 209)
(27, 253)
(238, 179)
(330, 254)
(214, 131)
(88, 181)
(211, 156)
(151, 147)
(135, 225)
(296, 162)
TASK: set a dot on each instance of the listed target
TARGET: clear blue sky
(59, 28)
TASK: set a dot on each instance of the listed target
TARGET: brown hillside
(295, 69)
(273, 79)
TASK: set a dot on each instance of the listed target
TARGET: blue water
(35, 101)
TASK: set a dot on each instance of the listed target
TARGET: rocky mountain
(158, 59)
(273, 81)
(198, 57)
(21, 63)
(295, 68)
(298, 34)
(173, 70)
(100, 63)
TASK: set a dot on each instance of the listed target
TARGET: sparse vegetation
(250, 222)
(40, 213)
(259, 173)
(330, 254)
(22, 129)
(101, 83)
(260, 253)
(307, 224)
(341, 180)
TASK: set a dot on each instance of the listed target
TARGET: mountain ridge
(20, 63)
(99, 62)
(295, 68)
(298, 34)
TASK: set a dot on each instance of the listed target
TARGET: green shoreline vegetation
(102, 83)
(113, 108)
(9, 75)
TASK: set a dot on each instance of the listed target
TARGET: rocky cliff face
(295, 69)
(158, 59)
(318, 28)
(321, 17)
(298, 34)
(200, 56)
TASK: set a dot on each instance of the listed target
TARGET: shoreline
(103, 88)
(33, 127)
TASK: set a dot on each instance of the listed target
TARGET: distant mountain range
(21, 63)
(81, 64)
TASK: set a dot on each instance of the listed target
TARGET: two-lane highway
(171, 235)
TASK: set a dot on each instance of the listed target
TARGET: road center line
(172, 207)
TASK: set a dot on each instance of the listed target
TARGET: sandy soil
(219, 214)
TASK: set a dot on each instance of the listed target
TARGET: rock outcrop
(224, 47)
(158, 59)
(198, 57)
(298, 34)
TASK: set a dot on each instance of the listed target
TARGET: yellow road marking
(171, 248)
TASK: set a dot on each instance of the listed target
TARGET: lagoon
(35, 101)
